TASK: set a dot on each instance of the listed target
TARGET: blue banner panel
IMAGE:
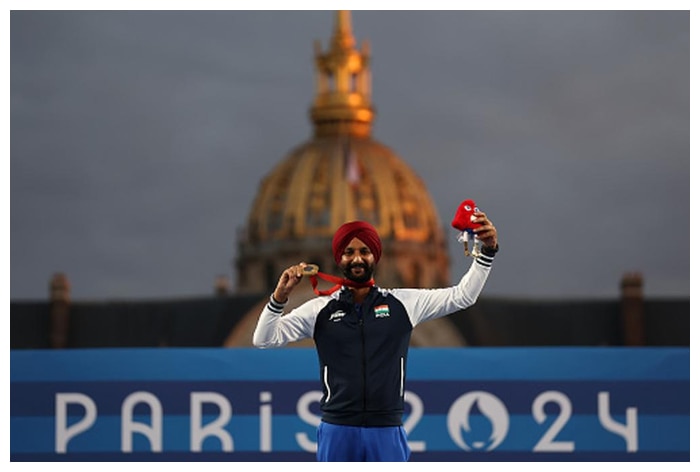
(462, 404)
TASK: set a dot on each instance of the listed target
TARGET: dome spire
(342, 38)
(343, 103)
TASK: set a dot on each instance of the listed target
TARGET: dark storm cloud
(138, 139)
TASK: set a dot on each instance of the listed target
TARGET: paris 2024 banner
(462, 404)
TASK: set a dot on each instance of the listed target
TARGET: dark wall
(206, 322)
(29, 325)
(497, 322)
(667, 322)
(525, 323)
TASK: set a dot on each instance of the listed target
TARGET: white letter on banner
(413, 418)
(215, 428)
(154, 432)
(547, 443)
(305, 414)
(628, 432)
(265, 422)
(63, 433)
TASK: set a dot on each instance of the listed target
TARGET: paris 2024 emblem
(478, 421)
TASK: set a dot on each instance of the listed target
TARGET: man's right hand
(287, 281)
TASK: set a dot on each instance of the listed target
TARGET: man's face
(357, 262)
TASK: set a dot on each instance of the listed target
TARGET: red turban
(365, 232)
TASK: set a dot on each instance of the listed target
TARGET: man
(362, 334)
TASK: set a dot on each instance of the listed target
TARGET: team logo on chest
(336, 316)
(381, 311)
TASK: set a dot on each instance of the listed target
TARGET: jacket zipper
(325, 381)
(401, 378)
(364, 367)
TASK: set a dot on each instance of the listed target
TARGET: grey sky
(138, 139)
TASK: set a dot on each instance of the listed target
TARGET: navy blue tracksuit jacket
(362, 349)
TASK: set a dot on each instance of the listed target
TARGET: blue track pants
(338, 443)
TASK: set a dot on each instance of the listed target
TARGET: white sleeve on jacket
(427, 304)
(276, 330)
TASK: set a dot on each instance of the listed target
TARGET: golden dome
(330, 180)
(342, 174)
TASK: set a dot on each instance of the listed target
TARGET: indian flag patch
(381, 311)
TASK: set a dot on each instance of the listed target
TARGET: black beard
(347, 272)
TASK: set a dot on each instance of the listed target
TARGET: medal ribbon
(338, 281)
